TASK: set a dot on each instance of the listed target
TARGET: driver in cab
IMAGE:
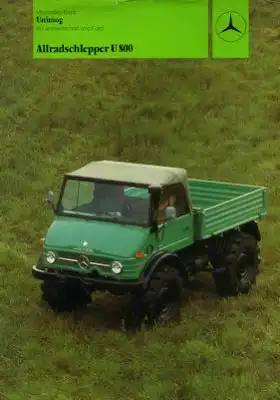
(163, 205)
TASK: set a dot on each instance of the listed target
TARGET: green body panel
(176, 234)
(69, 233)
(102, 242)
(220, 206)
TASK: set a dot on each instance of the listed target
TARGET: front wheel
(64, 296)
(160, 303)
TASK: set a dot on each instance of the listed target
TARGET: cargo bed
(220, 206)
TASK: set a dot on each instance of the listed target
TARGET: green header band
(142, 29)
(104, 29)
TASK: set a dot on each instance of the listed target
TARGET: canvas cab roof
(132, 173)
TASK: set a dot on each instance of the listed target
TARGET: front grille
(72, 259)
(74, 274)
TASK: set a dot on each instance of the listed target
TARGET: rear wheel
(239, 265)
(63, 296)
(160, 303)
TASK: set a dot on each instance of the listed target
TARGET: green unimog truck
(146, 230)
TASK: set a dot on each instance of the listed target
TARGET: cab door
(177, 233)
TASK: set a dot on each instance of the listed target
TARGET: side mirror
(170, 213)
(50, 199)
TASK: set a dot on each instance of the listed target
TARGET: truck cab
(114, 214)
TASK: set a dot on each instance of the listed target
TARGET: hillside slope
(218, 119)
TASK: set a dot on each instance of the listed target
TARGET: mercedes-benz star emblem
(231, 26)
(84, 262)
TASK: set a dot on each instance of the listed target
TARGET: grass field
(218, 119)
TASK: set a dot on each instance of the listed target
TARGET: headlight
(116, 267)
(50, 257)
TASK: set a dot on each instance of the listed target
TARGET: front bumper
(107, 284)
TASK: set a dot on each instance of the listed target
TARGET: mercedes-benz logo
(84, 262)
(231, 26)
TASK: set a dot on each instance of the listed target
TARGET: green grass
(218, 119)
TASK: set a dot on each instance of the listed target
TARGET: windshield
(105, 201)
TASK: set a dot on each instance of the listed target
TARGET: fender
(253, 229)
(158, 259)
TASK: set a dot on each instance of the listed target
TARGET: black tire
(258, 259)
(241, 262)
(160, 303)
(64, 297)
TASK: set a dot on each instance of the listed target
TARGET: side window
(173, 195)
